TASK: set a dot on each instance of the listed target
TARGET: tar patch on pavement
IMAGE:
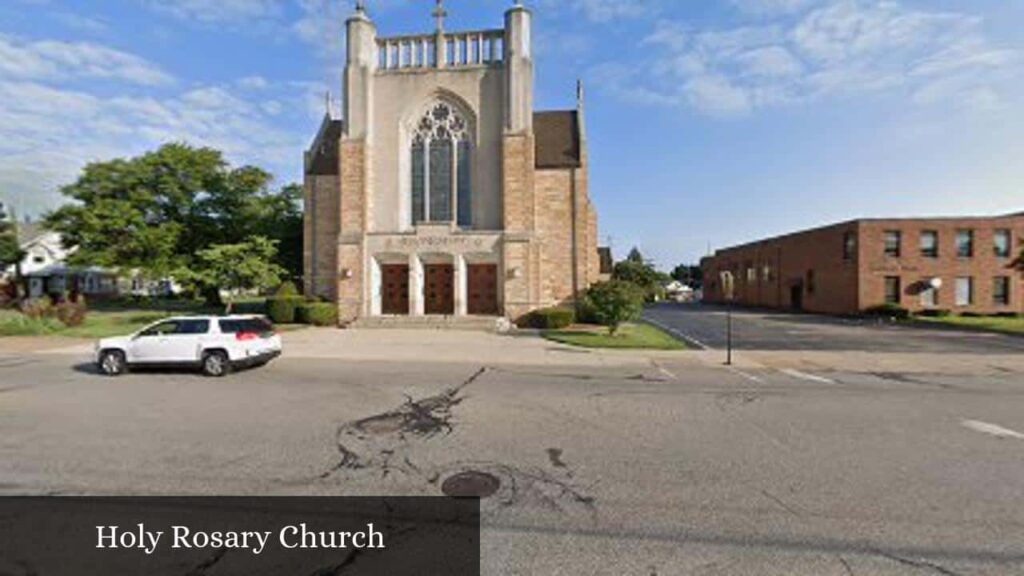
(471, 484)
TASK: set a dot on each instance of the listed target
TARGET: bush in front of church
(555, 318)
(612, 304)
(317, 314)
(282, 309)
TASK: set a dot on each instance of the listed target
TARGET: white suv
(217, 344)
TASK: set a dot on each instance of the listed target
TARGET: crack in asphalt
(423, 418)
(382, 444)
(921, 564)
(202, 567)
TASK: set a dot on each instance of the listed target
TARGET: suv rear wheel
(112, 363)
(216, 364)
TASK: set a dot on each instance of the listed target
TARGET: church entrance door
(482, 285)
(439, 289)
(395, 290)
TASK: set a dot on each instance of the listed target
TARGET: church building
(441, 191)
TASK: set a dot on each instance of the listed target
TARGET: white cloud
(771, 7)
(220, 11)
(51, 59)
(834, 48)
(605, 10)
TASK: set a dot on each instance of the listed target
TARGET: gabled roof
(29, 231)
(558, 139)
(322, 158)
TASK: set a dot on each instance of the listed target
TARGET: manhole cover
(471, 484)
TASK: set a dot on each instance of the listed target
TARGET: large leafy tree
(156, 212)
(639, 271)
(690, 275)
(10, 250)
(236, 268)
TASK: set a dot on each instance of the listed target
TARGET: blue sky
(711, 122)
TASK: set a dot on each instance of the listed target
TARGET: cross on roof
(439, 15)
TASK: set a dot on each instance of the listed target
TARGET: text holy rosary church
(290, 537)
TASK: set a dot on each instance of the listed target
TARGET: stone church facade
(442, 192)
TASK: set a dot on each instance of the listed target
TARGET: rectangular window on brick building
(892, 290)
(964, 291)
(1002, 243)
(893, 240)
(930, 244)
(1001, 291)
(849, 246)
(965, 243)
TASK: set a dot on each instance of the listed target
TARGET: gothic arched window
(441, 160)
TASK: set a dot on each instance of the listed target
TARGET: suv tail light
(245, 336)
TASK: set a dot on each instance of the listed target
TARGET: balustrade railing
(456, 50)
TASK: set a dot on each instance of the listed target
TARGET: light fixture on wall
(515, 273)
(346, 273)
(935, 283)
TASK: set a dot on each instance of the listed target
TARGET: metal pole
(728, 335)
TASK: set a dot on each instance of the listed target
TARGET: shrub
(614, 303)
(935, 313)
(550, 318)
(21, 325)
(37, 308)
(72, 312)
(286, 290)
(317, 314)
(972, 315)
(889, 311)
(1009, 315)
(281, 310)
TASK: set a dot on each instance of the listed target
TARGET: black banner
(244, 536)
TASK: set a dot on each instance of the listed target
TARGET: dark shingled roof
(605, 257)
(558, 139)
(323, 159)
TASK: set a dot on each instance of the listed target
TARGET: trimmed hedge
(317, 314)
(935, 313)
(549, 319)
(282, 310)
(889, 311)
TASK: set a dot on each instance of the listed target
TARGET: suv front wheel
(112, 363)
(216, 364)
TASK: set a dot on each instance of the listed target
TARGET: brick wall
(848, 285)
(321, 195)
(915, 269)
(353, 214)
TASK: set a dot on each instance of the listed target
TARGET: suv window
(162, 329)
(188, 327)
(253, 325)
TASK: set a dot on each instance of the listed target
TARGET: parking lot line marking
(806, 376)
(750, 377)
(679, 334)
(991, 429)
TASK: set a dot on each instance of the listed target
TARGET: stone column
(416, 285)
(461, 286)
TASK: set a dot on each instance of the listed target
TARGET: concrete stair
(475, 323)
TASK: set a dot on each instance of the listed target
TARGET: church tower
(441, 193)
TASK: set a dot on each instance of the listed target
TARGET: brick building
(442, 192)
(956, 264)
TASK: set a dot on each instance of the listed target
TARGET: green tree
(156, 212)
(637, 270)
(10, 250)
(614, 303)
(692, 276)
(234, 268)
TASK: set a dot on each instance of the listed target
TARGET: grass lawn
(1004, 325)
(630, 337)
(109, 319)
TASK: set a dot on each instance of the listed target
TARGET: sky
(709, 122)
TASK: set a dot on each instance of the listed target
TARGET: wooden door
(482, 285)
(395, 290)
(439, 289)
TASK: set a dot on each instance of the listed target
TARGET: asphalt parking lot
(705, 326)
(618, 464)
